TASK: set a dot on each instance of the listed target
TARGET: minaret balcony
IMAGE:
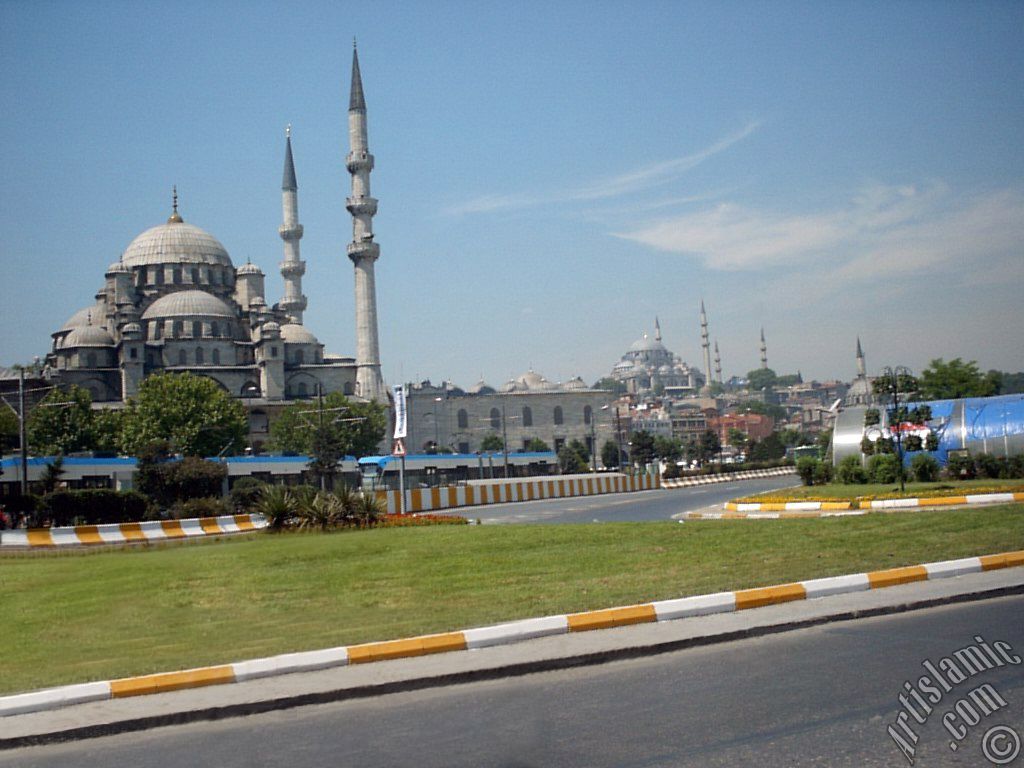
(364, 249)
(361, 206)
(359, 161)
(290, 233)
(297, 303)
(292, 268)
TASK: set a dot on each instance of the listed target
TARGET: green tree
(775, 412)
(668, 448)
(8, 428)
(1009, 383)
(192, 412)
(581, 450)
(641, 449)
(612, 385)
(356, 428)
(761, 378)
(107, 425)
(768, 449)
(737, 438)
(62, 422)
(944, 381)
(710, 444)
(570, 462)
(491, 443)
(536, 445)
(610, 454)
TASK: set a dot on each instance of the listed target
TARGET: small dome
(119, 267)
(270, 327)
(188, 304)
(84, 317)
(257, 301)
(647, 344)
(531, 381)
(88, 336)
(131, 328)
(249, 269)
(575, 383)
(481, 388)
(293, 333)
(175, 243)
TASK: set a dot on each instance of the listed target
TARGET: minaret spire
(292, 268)
(718, 364)
(657, 329)
(705, 344)
(363, 251)
(862, 370)
(764, 350)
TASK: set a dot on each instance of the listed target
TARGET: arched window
(298, 357)
(216, 357)
(527, 416)
(495, 418)
(155, 329)
(182, 357)
(90, 359)
(588, 414)
(348, 389)
(178, 329)
(300, 389)
(463, 418)
(176, 276)
(199, 356)
(214, 329)
(195, 275)
(159, 275)
(197, 329)
(250, 389)
(559, 419)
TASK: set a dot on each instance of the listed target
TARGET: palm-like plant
(367, 510)
(277, 504)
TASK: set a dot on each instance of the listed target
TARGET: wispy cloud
(614, 186)
(883, 231)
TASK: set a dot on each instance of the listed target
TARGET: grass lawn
(100, 615)
(838, 491)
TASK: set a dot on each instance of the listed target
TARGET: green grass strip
(840, 492)
(108, 614)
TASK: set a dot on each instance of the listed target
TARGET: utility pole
(504, 438)
(22, 431)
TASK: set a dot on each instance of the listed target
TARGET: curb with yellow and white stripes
(502, 492)
(124, 533)
(501, 634)
(725, 477)
(740, 510)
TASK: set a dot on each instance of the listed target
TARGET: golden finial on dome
(175, 217)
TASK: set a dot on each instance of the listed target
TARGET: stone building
(649, 367)
(524, 408)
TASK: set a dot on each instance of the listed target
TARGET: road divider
(124, 533)
(744, 510)
(501, 634)
(725, 477)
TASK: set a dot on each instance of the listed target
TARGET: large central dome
(175, 243)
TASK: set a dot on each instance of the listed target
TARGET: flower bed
(412, 521)
(865, 499)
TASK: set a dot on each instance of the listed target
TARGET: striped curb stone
(501, 634)
(742, 510)
(750, 474)
(122, 533)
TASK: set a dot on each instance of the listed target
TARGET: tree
(62, 422)
(1009, 383)
(610, 454)
(536, 445)
(613, 385)
(192, 412)
(325, 450)
(775, 412)
(768, 449)
(581, 450)
(737, 438)
(356, 428)
(492, 443)
(792, 437)
(761, 378)
(570, 462)
(9, 428)
(945, 381)
(668, 448)
(710, 444)
(641, 449)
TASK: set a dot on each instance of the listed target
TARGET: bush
(805, 467)
(167, 482)
(960, 467)
(883, 468)
(277, 504)
(209, 506)
(990, 466)
(245, 492)
(823, 473)
(92, 507)
(850, 471)
(924, 468)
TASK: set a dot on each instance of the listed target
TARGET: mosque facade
(176, 302)
(649, 366)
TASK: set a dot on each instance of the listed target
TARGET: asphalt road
(822, 696)
(632, 507)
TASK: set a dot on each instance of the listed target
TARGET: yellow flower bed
(933, 493)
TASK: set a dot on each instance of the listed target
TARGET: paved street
(819, 696)
(631, 507)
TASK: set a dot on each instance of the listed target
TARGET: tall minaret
(862, 370)
(292, 268)
(657, 329)
(706, 344)
(764, 350)
(718, 364)
(362, 250)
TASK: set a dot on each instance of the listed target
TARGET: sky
(552, 176)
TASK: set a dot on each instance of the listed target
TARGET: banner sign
(401, 412)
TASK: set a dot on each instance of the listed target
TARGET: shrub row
(967, 467)
(89, 507)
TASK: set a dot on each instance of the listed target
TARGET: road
(631, 507)
(818, 696)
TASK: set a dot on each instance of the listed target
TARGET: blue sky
(551, 176)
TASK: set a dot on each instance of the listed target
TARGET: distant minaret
(657, 329)
(862, 370)
(718, 364)
(362, 250)
(705, 344)
(292, 268)
(764, 350)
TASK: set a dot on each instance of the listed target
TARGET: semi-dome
(293, 333)
(481, 388)
(92, 315)
(118, 267)
(88, 336)
(175, 243)
(575, 383)
(249, 269)
(188, 304)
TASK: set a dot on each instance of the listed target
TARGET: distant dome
(647, 344)
(118, 267)
(270, 327)
(188, 304)
(575, 383)
(529, 381)
(293, 333)
(131, 328)
(84, 317)
(481, 388)
(88, 336)
(175, 243)
(249, 269)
